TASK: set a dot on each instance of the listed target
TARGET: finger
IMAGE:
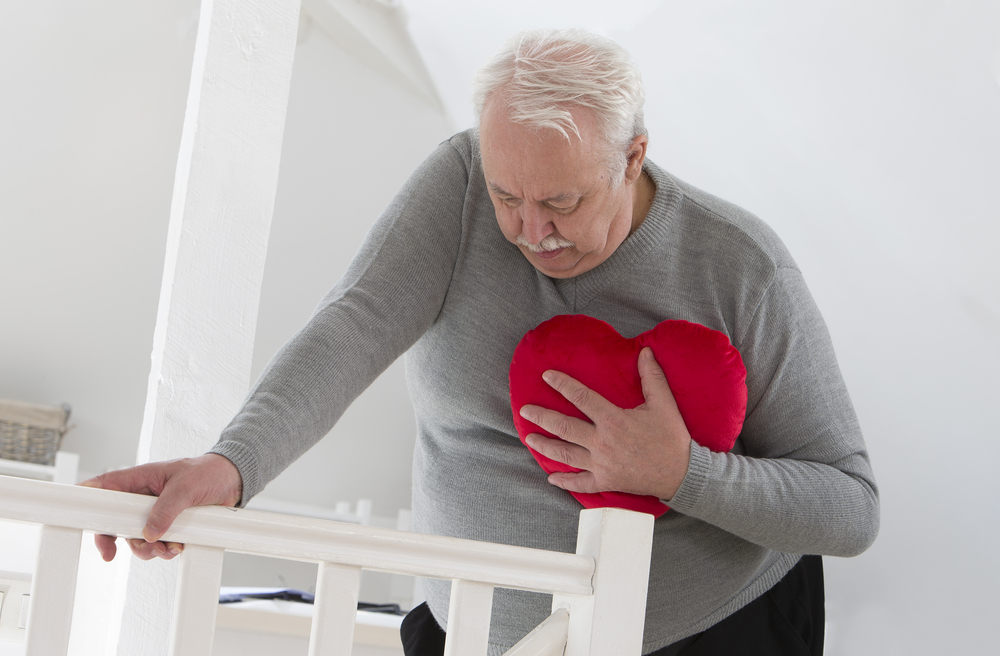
(106, 547)
(173, 548)
(149, 550)
(559, 450)
(132, 479)
(583, 481)
(585, 399)
(570, 429)
(654, 382)
(146, 550)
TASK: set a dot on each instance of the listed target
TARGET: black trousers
(787, 620)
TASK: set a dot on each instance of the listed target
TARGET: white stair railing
(599, 593)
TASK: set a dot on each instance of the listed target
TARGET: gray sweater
(436, 279)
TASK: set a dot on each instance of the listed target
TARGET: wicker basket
(31, 433)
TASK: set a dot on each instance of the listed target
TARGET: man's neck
(642, 200)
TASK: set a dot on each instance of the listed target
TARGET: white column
(226, 179)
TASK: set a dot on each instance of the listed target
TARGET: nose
(535, 225)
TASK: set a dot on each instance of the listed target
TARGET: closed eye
(563, 208)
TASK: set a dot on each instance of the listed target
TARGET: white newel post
(224, 189)
(611, 621)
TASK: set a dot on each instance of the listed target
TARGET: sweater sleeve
(388, 297)
(801, 481)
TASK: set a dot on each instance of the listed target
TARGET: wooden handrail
(301, 538)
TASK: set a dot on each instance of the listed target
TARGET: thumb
(655, 388)
(172, 502)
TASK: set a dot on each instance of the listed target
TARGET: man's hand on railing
(208, 480)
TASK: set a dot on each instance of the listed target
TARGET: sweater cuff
(240, 455)
(695, 481)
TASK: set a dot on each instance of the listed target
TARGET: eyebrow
(555, 199)
(498, 190)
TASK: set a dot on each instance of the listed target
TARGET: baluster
(52, 590)
(335, 610)
(468, 618)
(192, 629)
(546, 639)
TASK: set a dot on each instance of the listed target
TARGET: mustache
(549, 243)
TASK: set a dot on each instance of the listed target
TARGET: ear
(636, 155)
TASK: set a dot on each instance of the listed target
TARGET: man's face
(553, 197)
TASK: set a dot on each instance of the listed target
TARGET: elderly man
(552, 208)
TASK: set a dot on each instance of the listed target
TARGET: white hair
(541, 75)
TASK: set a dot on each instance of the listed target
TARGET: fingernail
(174, 551)
(548, 376)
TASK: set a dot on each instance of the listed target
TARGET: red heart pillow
(705, 373)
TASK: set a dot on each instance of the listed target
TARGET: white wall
(867, 135)
(93, 100)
